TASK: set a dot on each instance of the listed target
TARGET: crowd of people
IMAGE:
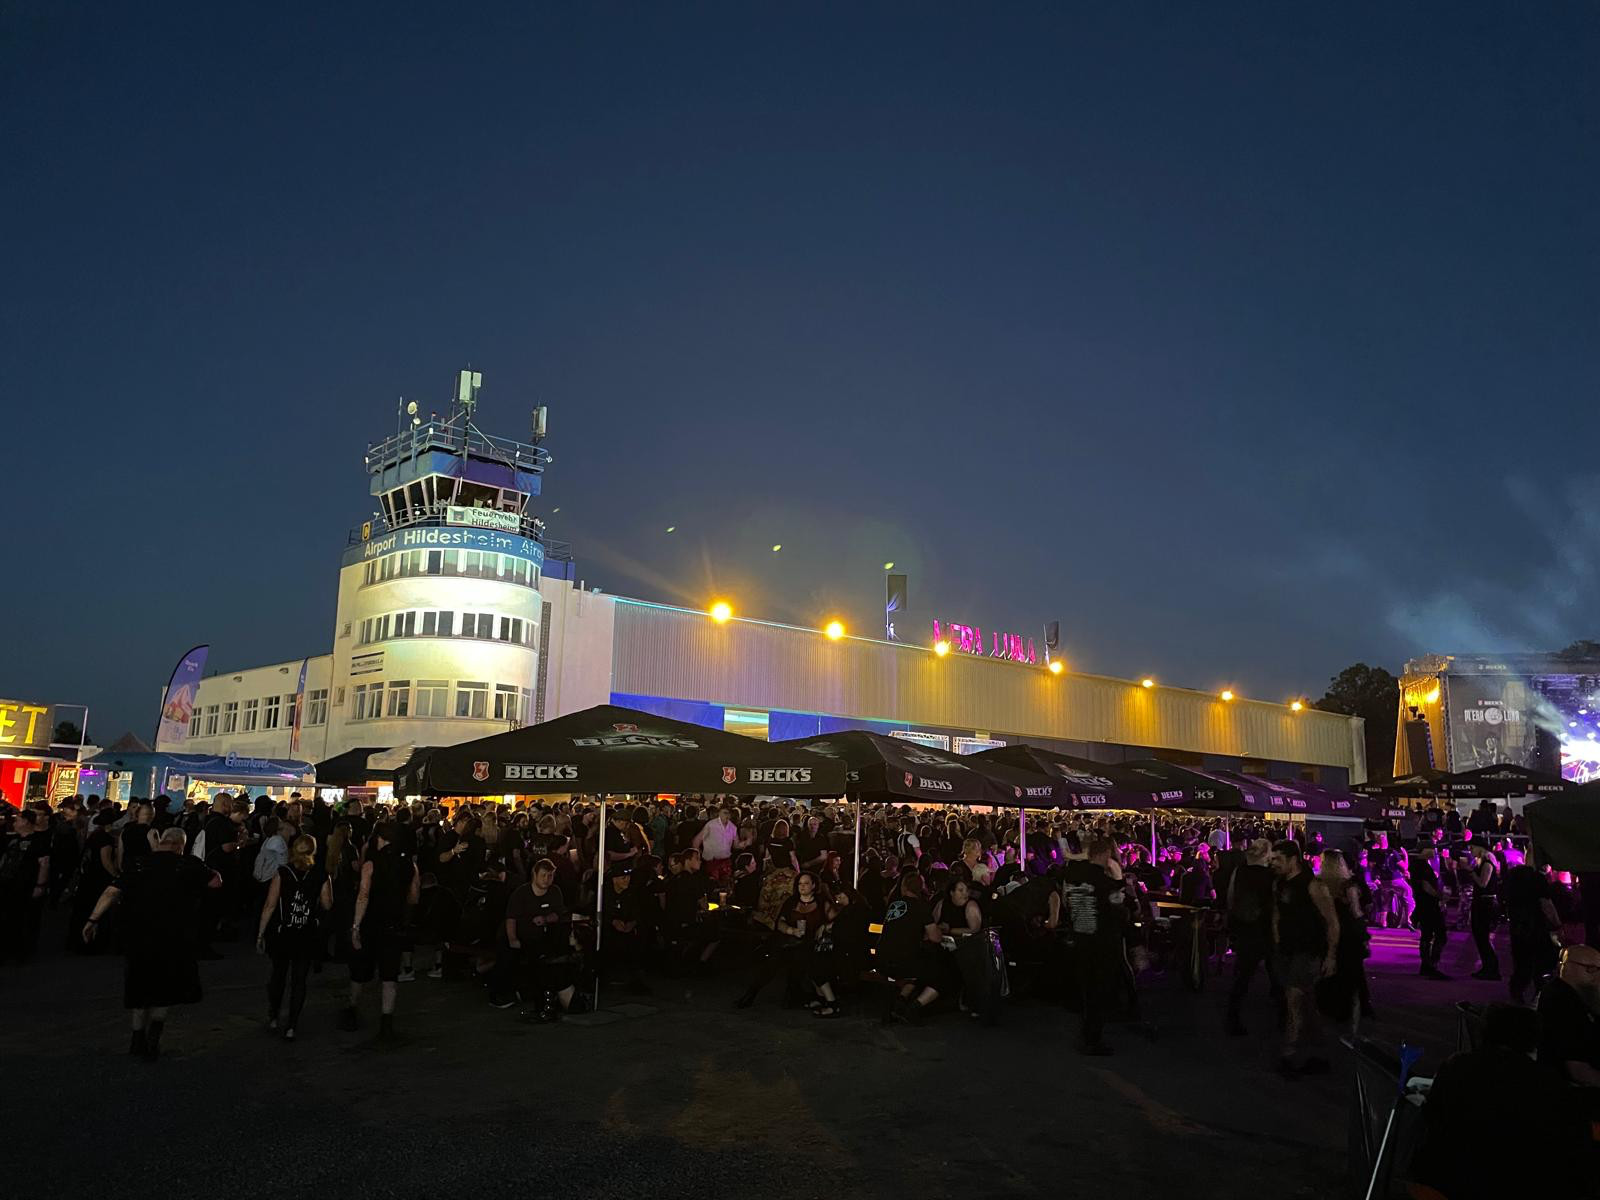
(951, 911)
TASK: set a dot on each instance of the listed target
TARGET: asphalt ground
(676, 1093)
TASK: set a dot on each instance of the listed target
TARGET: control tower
(437, 633)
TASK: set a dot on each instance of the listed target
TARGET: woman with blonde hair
(288, 930)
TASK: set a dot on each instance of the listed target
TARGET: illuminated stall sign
(25, 725)
(968, 639)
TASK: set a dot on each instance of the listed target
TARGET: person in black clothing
(908, 949)
(539, 938)
(137, 837)
(1531, 913)
(390, 887)
(1305, 937)
(288, 929)
(690, 928)
(794, 929)
(162, 897)
(1569, 1023)
(1092, 896)
(1429, 894)
(1249, 908)
(66, 846)
(96, 872)
(1485, 909)
(1496, 1124)
(24, 884)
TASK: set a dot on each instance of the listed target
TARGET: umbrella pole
(1227, 832)
(1022, 840)
(855, 879)
(599, 898)
(1152, 837)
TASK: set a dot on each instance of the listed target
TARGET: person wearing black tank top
(390, 888)
(1305, 939)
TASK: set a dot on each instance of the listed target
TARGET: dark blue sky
(1246, 340)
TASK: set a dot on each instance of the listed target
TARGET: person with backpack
(288, 930)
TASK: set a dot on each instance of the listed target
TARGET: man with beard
(1569, 1020)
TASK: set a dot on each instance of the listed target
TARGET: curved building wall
(434, 645)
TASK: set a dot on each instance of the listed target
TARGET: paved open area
(677, 1094)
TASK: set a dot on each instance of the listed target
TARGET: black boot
(386, 1031)
(136, 1046)
(152, 1039)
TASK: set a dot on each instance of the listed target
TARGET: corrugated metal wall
(672, 652)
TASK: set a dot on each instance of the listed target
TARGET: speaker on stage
(1546, 756)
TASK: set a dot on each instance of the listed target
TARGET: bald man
(1569, 1018)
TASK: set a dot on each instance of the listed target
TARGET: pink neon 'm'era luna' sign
(968, 639)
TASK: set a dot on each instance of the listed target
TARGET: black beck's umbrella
(889, 770)
(1407, 787)
(1503, 779)
(350, 768)
(612, 750)
(1566, 829)
(1081, 782)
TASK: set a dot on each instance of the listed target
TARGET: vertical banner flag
(894, 605)
(299, 708)
(177, 702)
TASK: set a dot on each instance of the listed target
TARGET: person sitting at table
(908, 950)
(978, 868)
(1569, 1020)
(690, 926)
(1496, 1124)
(956, 913)
(826, 960)
(794, 928)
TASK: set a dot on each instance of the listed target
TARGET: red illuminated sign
(968, 639)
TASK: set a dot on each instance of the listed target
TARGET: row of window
(436, 623)
(474, 564)
(431, 698)
(249, 716)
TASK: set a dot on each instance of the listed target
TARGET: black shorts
(380, 953)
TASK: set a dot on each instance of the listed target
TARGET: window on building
(358, 702)
(472, 563)
(447, 624)
(195, 717)
(505, 629)
(317, 707)
(399, 698)
(211, 720)
(269, 712)
(430, 624)
(433, 698)
(371, 575)
(252, 715)
(382, 629)
(472, 699)
(405, 624)
(386, 569)
(505, 702)
(291, 709)
(413, 562)
(435, 562)
(230, 717)
(452, 562)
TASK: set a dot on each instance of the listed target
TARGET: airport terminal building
(456, 620)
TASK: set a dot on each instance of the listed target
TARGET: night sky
(1247, 341)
